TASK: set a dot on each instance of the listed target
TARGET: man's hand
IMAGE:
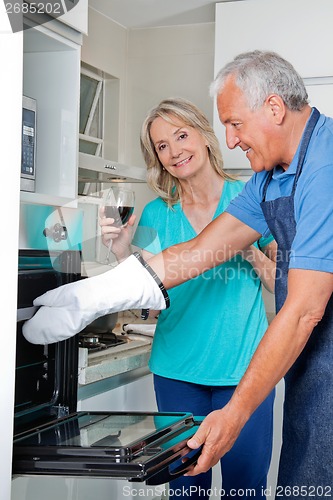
(217, 434)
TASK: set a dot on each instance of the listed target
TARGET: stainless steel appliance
(50, 436)
(95, 169)
(95, 342)
(28, 160)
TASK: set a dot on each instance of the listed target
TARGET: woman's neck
(201, 189)
(199, 200)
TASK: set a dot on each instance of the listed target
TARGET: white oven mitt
(68, 309)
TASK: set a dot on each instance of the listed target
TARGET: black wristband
(157, 280)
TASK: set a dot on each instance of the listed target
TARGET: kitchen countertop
(120, 359)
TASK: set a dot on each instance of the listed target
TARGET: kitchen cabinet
(77, 15)
(249, 25)
(51, 76)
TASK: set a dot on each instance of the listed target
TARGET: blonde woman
(204, 342)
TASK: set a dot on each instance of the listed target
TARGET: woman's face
(181, 149)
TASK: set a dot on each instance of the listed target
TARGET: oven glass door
(135, 446)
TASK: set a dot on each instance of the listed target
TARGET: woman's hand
(121, 236)
(263, 262)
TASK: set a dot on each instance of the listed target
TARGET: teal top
(215, 321)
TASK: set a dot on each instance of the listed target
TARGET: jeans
(245, 467)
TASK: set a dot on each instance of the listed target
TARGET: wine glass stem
(107, 258)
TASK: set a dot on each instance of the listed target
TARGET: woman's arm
(264, 263)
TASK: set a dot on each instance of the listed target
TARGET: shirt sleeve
(263, 242)
(312, 247)
(246, 206)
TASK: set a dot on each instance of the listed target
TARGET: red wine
(119, 214)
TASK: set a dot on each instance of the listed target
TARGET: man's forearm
(284, 340)
(218, 242)
(286, 337)
(282, 344)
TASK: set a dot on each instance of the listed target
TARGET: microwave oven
(28, 158)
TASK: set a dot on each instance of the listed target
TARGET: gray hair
(259, 74)
(159, 180)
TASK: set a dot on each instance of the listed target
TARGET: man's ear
(276, 107)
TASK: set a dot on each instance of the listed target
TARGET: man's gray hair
(259, 74)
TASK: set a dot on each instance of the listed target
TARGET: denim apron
(307, 449)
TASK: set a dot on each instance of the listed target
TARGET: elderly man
(264, 106)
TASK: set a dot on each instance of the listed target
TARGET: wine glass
(118, 204)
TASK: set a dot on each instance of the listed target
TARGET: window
(99, 113)
(91, 113)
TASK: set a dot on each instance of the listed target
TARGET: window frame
(100, 91)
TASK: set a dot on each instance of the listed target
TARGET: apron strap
(268, 180)
(310, 126)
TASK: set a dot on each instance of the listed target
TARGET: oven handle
(165, 475)
(26, 313)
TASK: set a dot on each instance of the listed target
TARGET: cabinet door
(51, 76)
(320, 92)
(76, 16)
(299, 30)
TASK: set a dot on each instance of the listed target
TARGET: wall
(151, 64)
(166, 62)
(105, 48)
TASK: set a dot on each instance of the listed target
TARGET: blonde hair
(159, 180)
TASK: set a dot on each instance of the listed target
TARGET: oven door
(135, 446)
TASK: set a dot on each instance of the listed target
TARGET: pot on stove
(103, 324)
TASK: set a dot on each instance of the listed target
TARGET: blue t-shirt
(312, 247)
(215, 321)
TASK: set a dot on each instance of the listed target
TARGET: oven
(50, 436)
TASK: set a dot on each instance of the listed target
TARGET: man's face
(253, 131)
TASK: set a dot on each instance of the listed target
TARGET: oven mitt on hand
(68, 309)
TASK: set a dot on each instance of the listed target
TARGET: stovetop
(95, 342)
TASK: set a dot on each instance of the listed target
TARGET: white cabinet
(76, 16)
(320, 92)
(299, 31)
(51, 76)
